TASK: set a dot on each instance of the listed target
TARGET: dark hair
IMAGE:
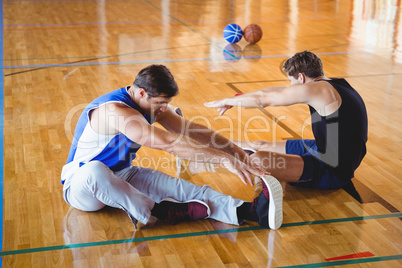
(305, 62)
(157, 80)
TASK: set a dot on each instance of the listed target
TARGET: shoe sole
(275, 213)
(192, 200)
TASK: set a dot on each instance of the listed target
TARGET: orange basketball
(252, 33)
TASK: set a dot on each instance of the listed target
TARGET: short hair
(305, 62)
(157, 80)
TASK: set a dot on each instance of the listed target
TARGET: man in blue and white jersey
(111, 130)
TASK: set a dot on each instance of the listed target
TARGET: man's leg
(95, 186)
(284, 167)
(224, 208)
(261, 145)
(158, 185)
(185, 168)
(300, 166)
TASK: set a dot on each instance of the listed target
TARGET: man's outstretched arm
(200, 133)
(272, 96)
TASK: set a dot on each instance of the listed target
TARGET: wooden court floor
(59, 55)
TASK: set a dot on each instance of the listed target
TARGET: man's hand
(220, 104)
(243, 170)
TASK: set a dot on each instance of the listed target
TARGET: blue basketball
(232, 33)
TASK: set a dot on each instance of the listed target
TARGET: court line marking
(1, 129)
(161, 60)
(103, 57)
(345, 262)
(185, 235)
(358, 255)
(151, 52)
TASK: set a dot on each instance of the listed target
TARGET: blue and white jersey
(115, 151)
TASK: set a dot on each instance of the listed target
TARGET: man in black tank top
(339, 124)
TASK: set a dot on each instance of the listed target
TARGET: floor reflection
(270, 248)
(232, 52)
(252, 52)
(78, 229)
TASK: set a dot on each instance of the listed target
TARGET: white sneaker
(275, 213)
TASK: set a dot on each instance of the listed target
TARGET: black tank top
(341, 136)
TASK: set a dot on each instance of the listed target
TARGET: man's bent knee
(84, 185)
(95, 172)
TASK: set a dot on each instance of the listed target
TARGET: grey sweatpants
(136, 189)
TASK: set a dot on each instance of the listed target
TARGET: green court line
(345, 262)
(183, 235)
